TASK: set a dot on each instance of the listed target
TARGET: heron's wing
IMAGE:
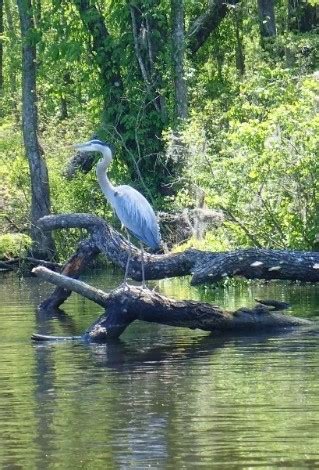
(136, 214)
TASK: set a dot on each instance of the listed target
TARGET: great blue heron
(133, 210)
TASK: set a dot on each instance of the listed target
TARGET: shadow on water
(122, 356)
(45, 320)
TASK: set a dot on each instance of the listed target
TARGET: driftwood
(125, 305)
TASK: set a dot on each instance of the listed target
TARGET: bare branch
(96, 295)
(241, 225)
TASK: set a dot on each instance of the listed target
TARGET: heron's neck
(105, 184)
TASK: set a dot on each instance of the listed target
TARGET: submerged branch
(123, 306)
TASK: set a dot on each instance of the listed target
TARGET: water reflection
(161, 397)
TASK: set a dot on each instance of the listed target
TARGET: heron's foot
(124, 286)
(145, 286)
(141, 287)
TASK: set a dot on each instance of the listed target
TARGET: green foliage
(213, 241)
(250, 141)
(13, 245)
(14, 176)
(261, 163)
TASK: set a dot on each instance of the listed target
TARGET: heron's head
(96, 145)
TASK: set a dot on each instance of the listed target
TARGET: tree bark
(205, 267)
(178, 54)
(267, 22)
(43, 246)
(85, 253)
(127, 305)
(200, 30)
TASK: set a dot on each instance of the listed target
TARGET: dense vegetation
(200, 98)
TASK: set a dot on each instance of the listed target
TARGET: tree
(202, 27)
(240, 55)
(102, 48)
(122, 117)
(143, 28)
(302, 16)
(267, 22)
(43, 245)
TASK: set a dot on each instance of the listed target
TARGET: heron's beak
(85, 147)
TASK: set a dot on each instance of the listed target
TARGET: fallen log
(204, 266)
(125, 305)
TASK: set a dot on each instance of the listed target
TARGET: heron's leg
(142, 262)
(128, 259)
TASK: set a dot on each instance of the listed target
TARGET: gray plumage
(131, 207)
(137, 215)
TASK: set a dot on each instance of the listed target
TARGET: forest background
(209, 104)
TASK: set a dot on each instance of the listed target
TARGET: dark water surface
(162, 397)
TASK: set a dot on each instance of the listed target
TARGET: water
(163, 398)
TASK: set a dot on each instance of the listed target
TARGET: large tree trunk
(43, 246)
(178, 53)
(123, 306)
(267, 22)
